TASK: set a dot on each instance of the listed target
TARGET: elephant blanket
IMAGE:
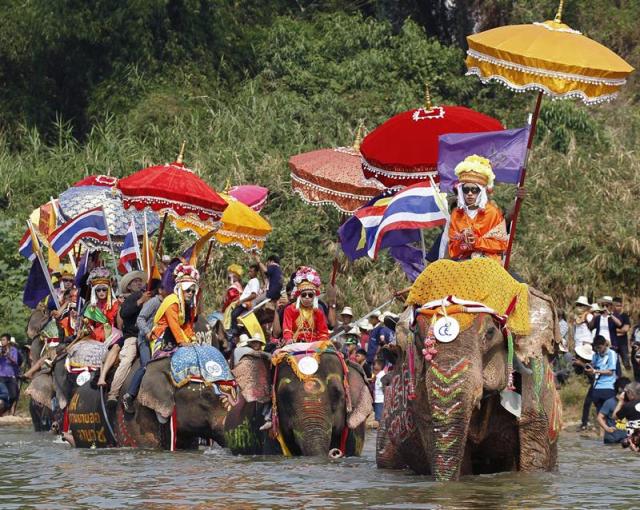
(202, 363)
(482, 280)
(86, 354)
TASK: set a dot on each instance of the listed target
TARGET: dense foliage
(111, 87)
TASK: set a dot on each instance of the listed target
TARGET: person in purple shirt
(9, 367)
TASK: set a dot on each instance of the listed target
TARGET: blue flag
(505, 149)
(36, 288)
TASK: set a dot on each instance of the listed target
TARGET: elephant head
(199, 410)
(314, 410)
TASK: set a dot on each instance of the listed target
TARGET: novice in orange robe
(477, 227)
(173, 322)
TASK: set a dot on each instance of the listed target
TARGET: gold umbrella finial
(558, 18)
(359, 132)
(181, 155)
(227, 185)
(427, 98)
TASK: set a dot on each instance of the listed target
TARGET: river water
(38, 472)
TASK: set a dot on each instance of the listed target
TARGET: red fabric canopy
(404, 150)
(332, 176)
(174, 188)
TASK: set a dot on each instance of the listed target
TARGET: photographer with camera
(603, 368)
(9, 369)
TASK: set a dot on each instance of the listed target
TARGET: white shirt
(253, 287)
(582, 333)
(604, 327)
(378, 393)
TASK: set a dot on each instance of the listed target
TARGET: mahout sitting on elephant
(454, 405)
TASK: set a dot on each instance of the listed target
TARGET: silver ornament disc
(83, 378)
(446, 329)
(308, 365)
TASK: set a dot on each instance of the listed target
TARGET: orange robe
(182, 333)
(295, 328)
(489, 230)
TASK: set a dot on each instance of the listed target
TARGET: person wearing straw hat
(246, 345)
(346, 316)
(132, 286)
(584, 355)
(477, 227)
(583, 316)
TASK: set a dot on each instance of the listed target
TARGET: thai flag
(415, 207)
(130, 250)
(26, 246)
(91, 223)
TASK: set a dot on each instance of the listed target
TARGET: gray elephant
(449, 416)
(323, 410)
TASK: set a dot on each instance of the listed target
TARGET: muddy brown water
(38, 472)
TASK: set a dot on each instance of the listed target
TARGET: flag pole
(158, 244)
(43, 264)
(136, 245)
(72, 259)
(146, 248)
(514, 220)
(111, 249)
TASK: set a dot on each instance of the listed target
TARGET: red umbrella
(172, 188)
(404, 150)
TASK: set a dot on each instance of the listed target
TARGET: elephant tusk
(335, 453)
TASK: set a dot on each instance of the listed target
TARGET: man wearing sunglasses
(477, 227)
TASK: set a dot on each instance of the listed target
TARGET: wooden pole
(155, 254)
(37, 249)
(523, 175)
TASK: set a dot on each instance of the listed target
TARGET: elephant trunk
(312, 432)
(453, 391)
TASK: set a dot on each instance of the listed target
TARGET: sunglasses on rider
(307, 294)
(470, 189)
(67, 280)
(102, 289)
(190, 290)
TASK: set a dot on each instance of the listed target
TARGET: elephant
(447, 420)
(242, 425)
(315, 414)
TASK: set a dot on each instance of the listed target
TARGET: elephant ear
(545, 330)
(404, 336)
(41, 390)
(157, 391)
(38, 320)
(253, 375)
(361, 401)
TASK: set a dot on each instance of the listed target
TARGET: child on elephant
(303, 321)
(477, 227)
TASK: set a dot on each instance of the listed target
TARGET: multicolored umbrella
(553, 59)
(334, 177)
(77, 200)
(404, 149)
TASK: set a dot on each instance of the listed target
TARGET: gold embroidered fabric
(483, 280)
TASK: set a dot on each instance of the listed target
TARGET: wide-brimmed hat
(595, 307)
(246, 339)
(582, 300)
(585, 351)
(376, 314)
(347, 311)
(605, 299)
(364, 324)
(128, 278)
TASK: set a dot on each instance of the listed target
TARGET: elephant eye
(491, 332)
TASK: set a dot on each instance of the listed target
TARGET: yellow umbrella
(239, 226)
(549, 57)
(553, 59)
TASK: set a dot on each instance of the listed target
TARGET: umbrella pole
(523, 175)
(206, 259)
(155, 253)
